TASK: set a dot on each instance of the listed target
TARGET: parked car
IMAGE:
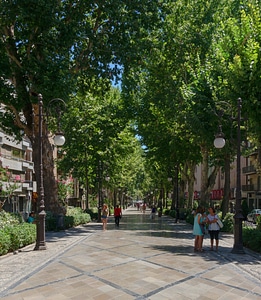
(251, 217)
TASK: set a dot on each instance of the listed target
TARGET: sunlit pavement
(143, 259)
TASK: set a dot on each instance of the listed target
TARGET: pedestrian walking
(104, 216)
(153, 212)
(117, 215)
(213, 228)
(197, 232)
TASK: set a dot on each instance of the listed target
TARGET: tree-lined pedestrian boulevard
(142, 259)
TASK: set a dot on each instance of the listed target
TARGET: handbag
(220, 224)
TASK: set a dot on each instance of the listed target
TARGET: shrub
(183, 212)
(79, 216)
(16, 236)
(195, 204)
(22, 235)
(7, 219)
(228, 223)
(93, 213)
(172, 213)
(252, 238)
(74, 217)
(50, 221)
(5, 242)
(190, 218)
(166, 211)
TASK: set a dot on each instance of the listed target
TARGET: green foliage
(7, 219)
(183, 212)
(74, 217)
(5, 242)
(79, 217)
(65, 189)
(93, 213)
(14, 232)
(166, 211)
(74, 48)
(50, 221)
(228, 223)
(195, 204)
(252, 238)
(190, 218)
(21, 235)
(172, 213)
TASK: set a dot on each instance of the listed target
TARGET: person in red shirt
(117, 215)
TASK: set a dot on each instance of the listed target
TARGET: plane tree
(57, 48)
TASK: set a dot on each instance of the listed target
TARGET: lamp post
(238, 217)
(59, 140)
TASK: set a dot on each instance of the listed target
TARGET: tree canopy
(178, 64)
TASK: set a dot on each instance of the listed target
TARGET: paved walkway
(143, 259)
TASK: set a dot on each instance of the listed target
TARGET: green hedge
(9, 219)
(74, 217)
(252, 238)
(15, 233)
(228, 223)
(16, 236)
(93, 213)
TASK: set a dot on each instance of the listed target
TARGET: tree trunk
(207, 181)
(225, 202)
(204, 193)
(50, 186)
(189, 174)
(49, 181)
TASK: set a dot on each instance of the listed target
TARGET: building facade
(18, 187)
(250, 183)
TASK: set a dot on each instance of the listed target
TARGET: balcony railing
(17, 164)
(248, 188)
(249, 169)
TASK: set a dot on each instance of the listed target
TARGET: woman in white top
(213, 227)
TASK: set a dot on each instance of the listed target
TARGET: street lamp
(219, 141)
(59, 140)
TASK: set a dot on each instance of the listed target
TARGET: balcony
(28, 185)
(28, 165)
(249, 169)
(248, 188)
(12, 163)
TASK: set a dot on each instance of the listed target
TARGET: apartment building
(250, 183)
(16, 160)
(251, 188)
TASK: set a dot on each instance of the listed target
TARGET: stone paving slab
(143, 259)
